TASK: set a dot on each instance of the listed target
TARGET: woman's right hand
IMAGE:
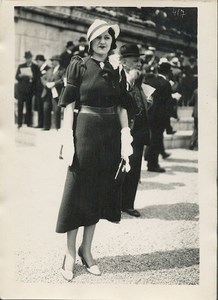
(67, 149)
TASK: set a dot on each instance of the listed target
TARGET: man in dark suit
(67, 55)
(138, 123)
(26, 76)
(43, 68)
(158, 115)
(52, 85)
(82, 48)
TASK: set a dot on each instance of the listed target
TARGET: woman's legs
(86, 245)
(71, 249)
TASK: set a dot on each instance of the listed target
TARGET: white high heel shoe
(93, 269)
(67, 274)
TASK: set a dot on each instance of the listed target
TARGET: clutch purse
(121, 172)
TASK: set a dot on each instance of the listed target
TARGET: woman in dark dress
(100, 136)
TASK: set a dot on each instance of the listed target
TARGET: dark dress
(90, 191)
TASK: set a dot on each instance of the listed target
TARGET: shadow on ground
(150, 261)
(182, 169)
(149, 185)
(169, 212)
(171, 170)
(182, 160)
(146, 174)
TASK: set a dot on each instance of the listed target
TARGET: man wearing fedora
(26, 87)
(159, 115)
(52, 85)
(43, 68)
(82, 48)
(138, 123)
(67, 55)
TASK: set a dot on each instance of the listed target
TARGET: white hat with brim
(175, 61)
(149, 52)
(164, 60)
(100, 26)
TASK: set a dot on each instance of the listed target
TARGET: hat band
(130, 54)
(97, 28)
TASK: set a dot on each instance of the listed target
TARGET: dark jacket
(81, 51)
(158, 113)
(138, 118)
(137, 112)
(65, 59)
(26, 85)
(39, 85)
(56, 77)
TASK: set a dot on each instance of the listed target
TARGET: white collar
(161, 75)
(81, 47)
(69, 51)
(56, 69)
(128, 84)
(101, 64)
(43, 66)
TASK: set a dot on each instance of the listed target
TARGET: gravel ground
(160, 247)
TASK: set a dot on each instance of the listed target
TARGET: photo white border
(207, 58)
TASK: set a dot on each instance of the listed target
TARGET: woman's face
(101, 45)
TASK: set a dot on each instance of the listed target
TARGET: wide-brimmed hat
(55, 57)
(128, 50)
(28, 54)
(149, 53)
(40, 57)
(100, 26)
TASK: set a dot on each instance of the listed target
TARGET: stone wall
(46, 30)
(40, 39)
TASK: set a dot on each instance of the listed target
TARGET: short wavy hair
(113, 44)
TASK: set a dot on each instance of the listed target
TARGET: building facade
(46, 30)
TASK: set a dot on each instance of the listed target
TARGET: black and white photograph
(109, 150)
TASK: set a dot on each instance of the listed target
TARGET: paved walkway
(161, 247)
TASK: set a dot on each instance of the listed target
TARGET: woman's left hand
(126, 147)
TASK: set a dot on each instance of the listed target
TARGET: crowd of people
(39, 82)
(114, 103)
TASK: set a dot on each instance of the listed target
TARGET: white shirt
(128, 84)
(56, 69)
(43, 66)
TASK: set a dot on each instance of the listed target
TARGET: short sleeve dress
(90, 191)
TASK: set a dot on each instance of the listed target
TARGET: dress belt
(97, 110)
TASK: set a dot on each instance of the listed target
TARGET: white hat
(98, 27)
(149, 52)
(163, 60)
(175, 61)
(151, 48)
